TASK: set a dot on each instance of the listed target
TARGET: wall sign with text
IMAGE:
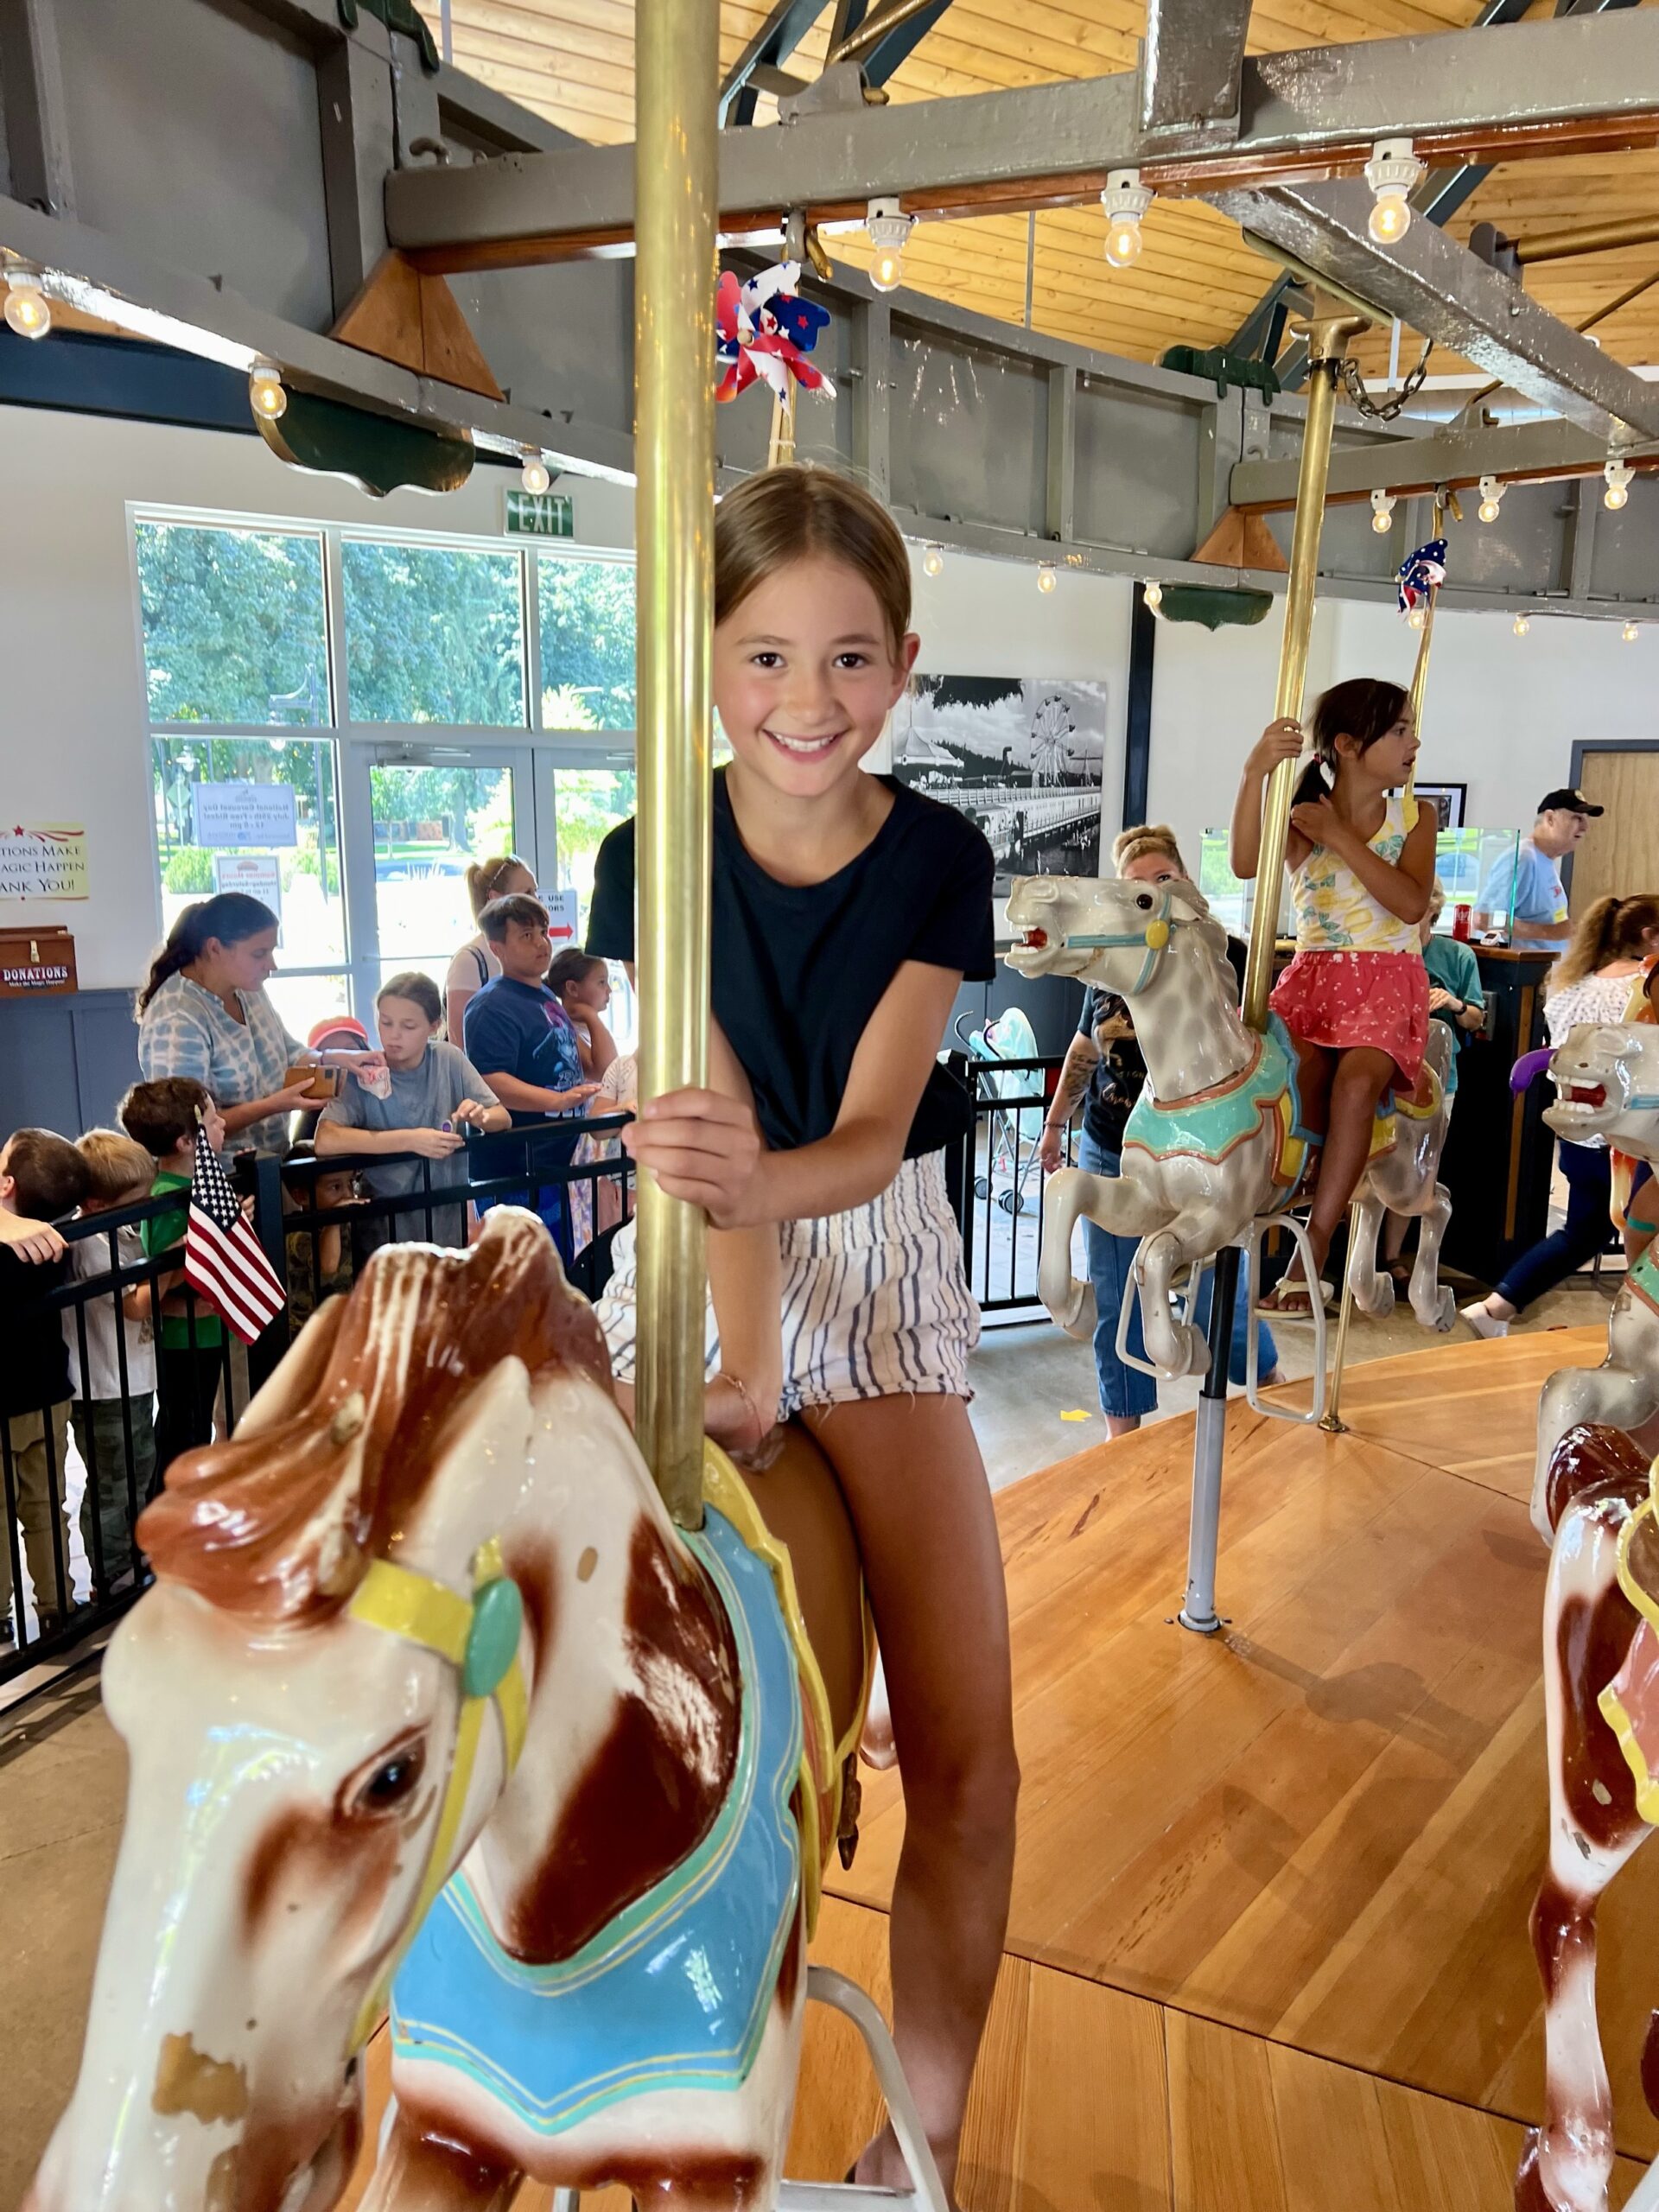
(258, 875)
(46, 861)
(539, 514)
(231, 815)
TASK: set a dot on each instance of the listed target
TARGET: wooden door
(1620, 852)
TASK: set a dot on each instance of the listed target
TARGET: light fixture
(1152, 592)
(889, 230)
(1521, 625)
(535, 476)
(1046, 578)
(1491, 497)
(1126, 200)
(1382, 506)
(933, 560)
(266, 394)
(1393, 172)
(1630, 634)
(1417, 618)
(29, 312)
(1618, 474)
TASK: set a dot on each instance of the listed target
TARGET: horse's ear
(1187, 896)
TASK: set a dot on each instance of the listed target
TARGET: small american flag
(223, 1260)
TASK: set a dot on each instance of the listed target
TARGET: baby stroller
(1007, 1036)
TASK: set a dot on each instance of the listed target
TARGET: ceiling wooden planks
(572, 61)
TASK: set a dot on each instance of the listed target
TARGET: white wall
(73, 725)
(1502, 713)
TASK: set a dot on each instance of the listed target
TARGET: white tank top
(1334, 910)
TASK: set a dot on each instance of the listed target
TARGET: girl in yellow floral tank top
(1355, 998)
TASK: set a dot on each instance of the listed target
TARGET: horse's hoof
(1445, 1315)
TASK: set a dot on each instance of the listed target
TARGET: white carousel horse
(430, 1686)
(1601, 1697)
(1215, 1142)
(1606, 1077)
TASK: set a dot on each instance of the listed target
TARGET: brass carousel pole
(677, 58)
(1332, 1423)
(1328, 332)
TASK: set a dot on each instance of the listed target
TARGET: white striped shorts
(876, 1303)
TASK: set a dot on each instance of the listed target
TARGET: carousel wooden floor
(1268, 1945)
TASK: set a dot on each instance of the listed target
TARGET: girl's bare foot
(882, 2166)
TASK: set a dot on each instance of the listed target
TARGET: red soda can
(1462, 917)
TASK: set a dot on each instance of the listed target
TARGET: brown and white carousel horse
(430, 1695)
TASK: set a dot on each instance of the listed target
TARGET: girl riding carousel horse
(1355, 998)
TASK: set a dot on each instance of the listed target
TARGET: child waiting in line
(582, 984)
(170, 1117)
(436, 1093)
(42, 1178)
(320, 1257)
(1355, 998)
(113, 1416)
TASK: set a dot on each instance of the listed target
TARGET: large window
(340, 722)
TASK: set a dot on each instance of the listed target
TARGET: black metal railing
(102, 1452)
(996, 1181)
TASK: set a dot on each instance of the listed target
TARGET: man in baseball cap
(1534, 875)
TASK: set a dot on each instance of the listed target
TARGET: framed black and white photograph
(1020, 757)
(1446, 799)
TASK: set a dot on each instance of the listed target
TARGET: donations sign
(46, 861)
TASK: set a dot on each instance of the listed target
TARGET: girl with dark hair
(1355, 998)
(582, 984)
(204, 1013)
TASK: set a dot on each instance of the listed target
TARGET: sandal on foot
(1290, 1299)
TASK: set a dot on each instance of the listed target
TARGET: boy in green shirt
(169, 1118)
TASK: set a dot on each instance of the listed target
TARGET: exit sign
(539, 514)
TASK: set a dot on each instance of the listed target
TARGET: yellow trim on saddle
(724, 1488)
(1291, 1158)
(480, 1637)
(1611, 1706)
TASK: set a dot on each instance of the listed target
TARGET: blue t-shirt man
(1533, 876)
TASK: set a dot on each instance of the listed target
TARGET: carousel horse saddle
(1629, 1703)
(1210, 1124)
(674, 1991)
(1420, 1105)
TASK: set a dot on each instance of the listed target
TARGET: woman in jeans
(1590, 982)
(1104, 1061)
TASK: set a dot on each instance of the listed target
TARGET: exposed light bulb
(1153, 592)
(1618, 474)
(889, 230)
(1629, 633)
(1488, 511)
(1521, 625)
(1126, 200)
(535, 476)
(29, 312)
(1382, 506)
(1417, 618)
(1046, 578)
(266, 394)
(1394, 172)
(1491, 495)
(933, 560)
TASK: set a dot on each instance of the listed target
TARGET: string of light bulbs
(28, 310)
(889, 229)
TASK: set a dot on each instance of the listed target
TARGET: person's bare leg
(1120, 1424)
(915, 1485)
(1363, 1075)
(1395, 1226)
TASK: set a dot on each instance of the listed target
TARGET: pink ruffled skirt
(1339, 1000)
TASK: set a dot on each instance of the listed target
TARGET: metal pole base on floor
(1208, 1441)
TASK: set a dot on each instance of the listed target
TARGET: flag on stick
(223, 1259)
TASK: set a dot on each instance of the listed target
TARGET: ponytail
(229, 917)
(1611, 929)
(1364, 708)
(483, 880)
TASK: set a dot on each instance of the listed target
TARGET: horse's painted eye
(390, 1781)
(1144, 902)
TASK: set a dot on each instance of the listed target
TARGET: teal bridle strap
(1153, 935)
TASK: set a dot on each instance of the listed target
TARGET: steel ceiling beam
(1573, 84)
(771, 47)
(1407, 466)
(1191, 64)
(1438, 287)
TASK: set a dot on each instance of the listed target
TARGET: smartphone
(321, 1083)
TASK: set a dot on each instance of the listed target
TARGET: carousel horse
(431, 1702)
(1606, 1077)
(1215, 1142)
(1601, 1698)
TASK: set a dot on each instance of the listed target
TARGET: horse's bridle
(1155, 935)
(479, 1638)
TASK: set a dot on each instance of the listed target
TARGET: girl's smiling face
(404, 1032)
(805, 675)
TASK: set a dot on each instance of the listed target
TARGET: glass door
(582, 792)
(424, 814)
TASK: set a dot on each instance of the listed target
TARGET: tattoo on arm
(1081, 1057)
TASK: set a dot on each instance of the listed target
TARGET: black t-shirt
(35, 1364)
(1115, 1083)
(799, 968)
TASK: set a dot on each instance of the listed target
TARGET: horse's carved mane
(280, 1521)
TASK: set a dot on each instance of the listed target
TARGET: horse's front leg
(1114, 1203)
(1433, 1303)
(1373, 1288)
(1622, 1393)
(1594, 1828)
(1176, 1348)
(416, 2174)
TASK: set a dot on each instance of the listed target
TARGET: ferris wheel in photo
(1052, 732)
